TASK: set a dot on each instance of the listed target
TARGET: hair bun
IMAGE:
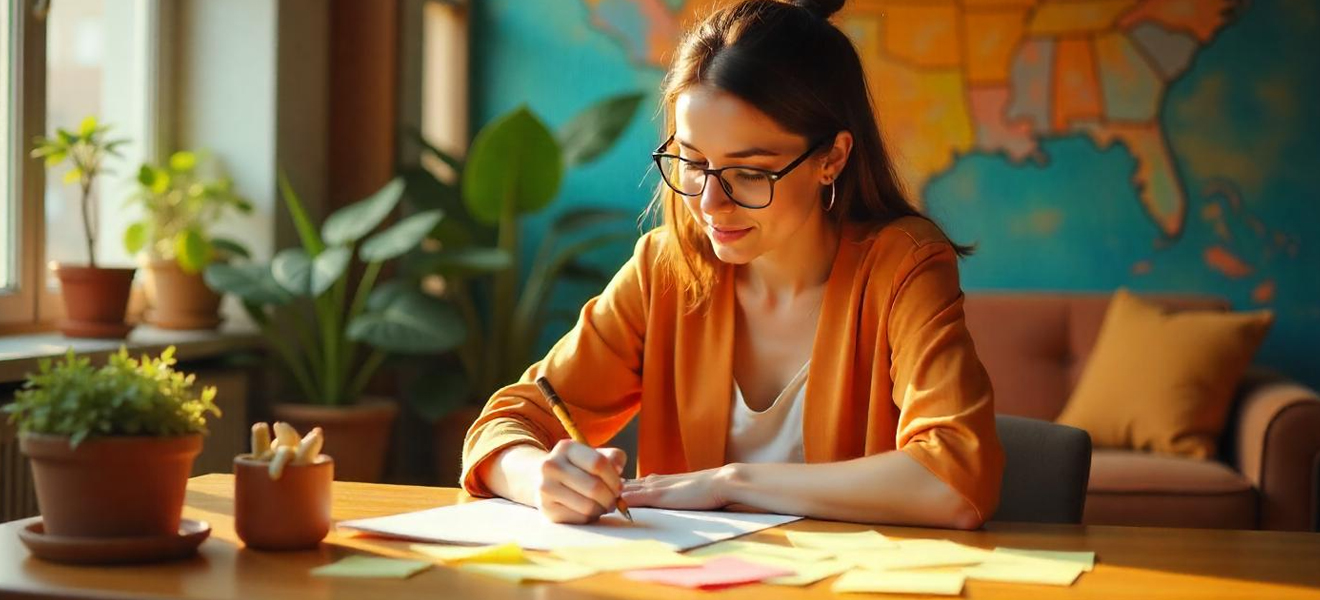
(820, 8)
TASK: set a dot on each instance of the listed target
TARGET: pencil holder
(288, 513)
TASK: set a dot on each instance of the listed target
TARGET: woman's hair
(790, 62)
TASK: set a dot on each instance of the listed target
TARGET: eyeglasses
(748, 187)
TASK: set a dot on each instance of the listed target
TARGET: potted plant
(514, 169)
(179, 207)
(332, 336)
(95, 297)
(111, 446)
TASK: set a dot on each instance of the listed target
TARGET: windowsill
(19, 354)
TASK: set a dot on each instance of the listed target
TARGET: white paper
(500, 521)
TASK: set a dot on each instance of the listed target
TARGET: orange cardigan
(892, 367)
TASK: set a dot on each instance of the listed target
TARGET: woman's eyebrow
(753, 151)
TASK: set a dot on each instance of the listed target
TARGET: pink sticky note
(718, 572)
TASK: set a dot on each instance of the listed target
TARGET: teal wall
(1241, 125)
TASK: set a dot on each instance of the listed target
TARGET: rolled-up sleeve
(946, 404)
(595, 368)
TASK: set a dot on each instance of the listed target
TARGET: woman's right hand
(579, 483)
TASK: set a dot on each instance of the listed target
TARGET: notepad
(500, 521)
(839, 542)
(532, 569)
(900, 582)
(502, 553)
(371, 566)
(917, 554)
(1085, 559)
(719, 572)
(623, 556)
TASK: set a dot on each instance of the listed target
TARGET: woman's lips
(727, 235)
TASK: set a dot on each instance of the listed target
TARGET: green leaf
(146, 176)
(301, 275)
(73, 175)
(426, 191)
(191, 250)
(437, 392)
(350, 223)
(55, 158)
(253, 283)
(582, 218)
(454, 162)
(230, 247)
(513, 159)
(135, 237)
(465, 262)
(400, 238)
(410, 323)
(65, 136)
(87, 127)
(182, 161)
(596, 129)
(310, 239)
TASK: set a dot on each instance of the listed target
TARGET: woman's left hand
(702, 490)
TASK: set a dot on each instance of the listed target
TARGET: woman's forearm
(514, 473)
(890, 488)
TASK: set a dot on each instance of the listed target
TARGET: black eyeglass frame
(773, 176)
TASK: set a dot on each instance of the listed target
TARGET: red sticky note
(718, 572)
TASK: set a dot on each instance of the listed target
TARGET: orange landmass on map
(992, 38)
(1077, 17)
(923, 35)
(1201, 18)
(1076, 95)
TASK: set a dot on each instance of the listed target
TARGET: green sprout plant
(86, 149)
(179, 206)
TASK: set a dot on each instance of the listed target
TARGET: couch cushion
(1136, 488)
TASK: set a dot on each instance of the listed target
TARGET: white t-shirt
(773, 435)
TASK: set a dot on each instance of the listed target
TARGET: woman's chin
(736, 253)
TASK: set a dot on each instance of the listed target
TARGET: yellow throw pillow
(1162, 381)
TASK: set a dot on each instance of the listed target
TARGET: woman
(792, 334)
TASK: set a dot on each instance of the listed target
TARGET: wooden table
(1133, 562)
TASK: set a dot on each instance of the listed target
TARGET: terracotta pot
(447, 443)
(289, 513)
(178, 299)
(357, 436)
(94, 301)
(129, 486)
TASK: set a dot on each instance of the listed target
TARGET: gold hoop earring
(830, 206)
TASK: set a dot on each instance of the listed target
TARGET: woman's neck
(801, 264)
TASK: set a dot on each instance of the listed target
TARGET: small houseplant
(111, 446)
(513, 169)
(95, 297)
(333, 336)
(179, 206)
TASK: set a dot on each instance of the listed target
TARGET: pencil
(561, 411)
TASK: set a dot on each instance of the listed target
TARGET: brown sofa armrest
(1277, 443)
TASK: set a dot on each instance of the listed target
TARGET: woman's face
(715, 129)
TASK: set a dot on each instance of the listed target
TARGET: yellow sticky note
(917, 554)
(900, 582)
(371, 566)
(644, 554)
(503, 553)
(1085, 559)
(809, 573)
(752, 549)
(533, 569)
(1026, 571)
(839, 542)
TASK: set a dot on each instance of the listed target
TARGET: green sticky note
(1085, 559)
(371, 566)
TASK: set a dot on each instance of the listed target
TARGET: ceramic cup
(289, 513)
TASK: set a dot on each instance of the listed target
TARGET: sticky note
(748, 549)
(1085, 559)
(533, 569)
(719, 572)
(917, 554)
(809, 573)
(900, 582)
(838, 542)
(626, 556)
(503, 553)
(371, 566)
(1026, 571)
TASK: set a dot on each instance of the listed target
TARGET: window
(79, 58)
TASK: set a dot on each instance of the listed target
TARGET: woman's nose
(713, 199)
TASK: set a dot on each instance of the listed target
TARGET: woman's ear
(837, 157)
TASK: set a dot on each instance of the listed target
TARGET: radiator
(228, 436)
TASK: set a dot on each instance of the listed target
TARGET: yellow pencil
(561, 412)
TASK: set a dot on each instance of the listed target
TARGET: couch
(1267, 474)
